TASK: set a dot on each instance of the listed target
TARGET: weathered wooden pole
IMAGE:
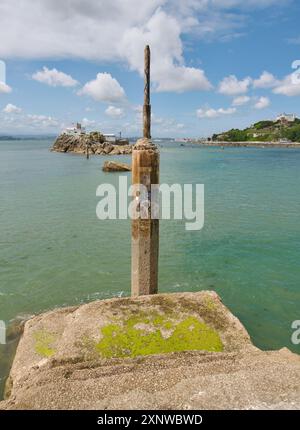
(147, 106)
(145, 229)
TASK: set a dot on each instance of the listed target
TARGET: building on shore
(75, 130)
(284, 117)
(110, 138)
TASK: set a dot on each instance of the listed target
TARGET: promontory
(91, 143)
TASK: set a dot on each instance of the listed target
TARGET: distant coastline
(25, 137)
(9, 138)
(248, 144)
(285, 129)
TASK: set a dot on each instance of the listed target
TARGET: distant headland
(285, 129)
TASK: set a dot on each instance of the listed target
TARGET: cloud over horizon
(189, 39)
(231, 86)
(10, 108)
(114, 112)
(211, 113)
(54, 78)
(262, 103)
(4, 88)
(104, 88)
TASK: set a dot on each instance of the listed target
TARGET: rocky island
(93, 143)
(165, 351)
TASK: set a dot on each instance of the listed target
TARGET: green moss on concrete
(43, 343)
(209, 304)
(147, 334)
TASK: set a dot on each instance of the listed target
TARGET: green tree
(263, 124)
(236, 135)
(292, 133)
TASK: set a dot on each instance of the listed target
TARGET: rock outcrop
(93, 142)
(167, 351)
(114, 166)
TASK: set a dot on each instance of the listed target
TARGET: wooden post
(145, 231)
(147, 106)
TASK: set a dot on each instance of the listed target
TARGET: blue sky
(216, 64)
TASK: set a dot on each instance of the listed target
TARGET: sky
(215, 64)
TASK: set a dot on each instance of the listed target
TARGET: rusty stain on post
(145, 231)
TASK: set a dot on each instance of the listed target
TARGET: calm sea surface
(55, 252)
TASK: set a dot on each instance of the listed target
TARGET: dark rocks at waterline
(114, 166)
(91, 143)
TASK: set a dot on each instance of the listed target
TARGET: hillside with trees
(263, 131)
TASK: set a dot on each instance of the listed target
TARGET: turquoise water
(55, 252)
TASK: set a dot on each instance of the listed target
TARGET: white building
(286, 117)
(110, 138)
(75, 130)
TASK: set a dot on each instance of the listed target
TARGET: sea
(55, 252)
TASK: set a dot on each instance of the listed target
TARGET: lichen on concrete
(44, 343)
(114, 354)
(154, 333)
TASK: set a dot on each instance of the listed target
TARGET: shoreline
(248, 144)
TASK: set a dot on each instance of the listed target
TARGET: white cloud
(181, 79)
(54, 78)
(5, 88)
(84, 29)
(231, 86)
(214, 113)
(104, 88)
(168, 71)
(71, 30)
(266, 80)
(289, 86)
(118, 30)
(41, 121)
(241, 100)
(28, 123)
(10, 108)
(114, 112)
(262, 103)
(88, 122)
